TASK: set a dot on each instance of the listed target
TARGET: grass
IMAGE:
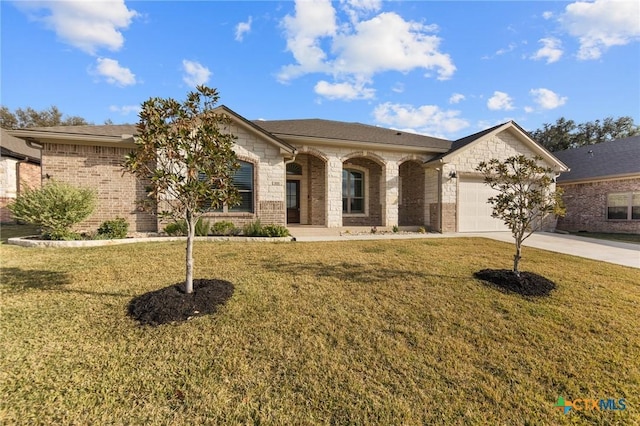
(363, 332)
(625, 238)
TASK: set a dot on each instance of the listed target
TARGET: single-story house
(19, 169)
(309, 172)
(602, 190)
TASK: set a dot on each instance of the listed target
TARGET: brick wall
(29, 175)
(587, 207)
(15, 177)
(99, 168)
(412, 199)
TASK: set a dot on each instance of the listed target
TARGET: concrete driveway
(626, 254)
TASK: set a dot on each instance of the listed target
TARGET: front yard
(363, 332)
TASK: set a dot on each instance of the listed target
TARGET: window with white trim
(623, 206)
(353, 191)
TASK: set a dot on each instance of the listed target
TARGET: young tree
(186, 159)
(525, 197)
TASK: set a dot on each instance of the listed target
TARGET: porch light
(452, 174)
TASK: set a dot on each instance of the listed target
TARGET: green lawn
(361, 332)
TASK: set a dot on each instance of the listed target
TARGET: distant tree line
(565, 134)
(29, 117)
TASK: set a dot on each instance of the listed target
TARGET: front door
(293, 201)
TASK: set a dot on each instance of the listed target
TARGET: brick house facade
(602, 190)
(19, 170)
(306, 172)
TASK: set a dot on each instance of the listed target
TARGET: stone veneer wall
(586, 205)
(99, 168)
(411, 210)
(501, 146)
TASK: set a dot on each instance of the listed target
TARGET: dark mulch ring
(527, 284)
(172, 304)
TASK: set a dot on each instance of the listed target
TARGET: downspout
(439, 199)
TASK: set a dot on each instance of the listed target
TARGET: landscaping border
(30, 242)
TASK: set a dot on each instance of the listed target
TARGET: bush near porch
(362, 332)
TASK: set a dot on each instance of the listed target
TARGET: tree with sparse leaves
(29, 117)
(186, 159)
(525, 197)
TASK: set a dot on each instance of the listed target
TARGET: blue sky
(445, 69)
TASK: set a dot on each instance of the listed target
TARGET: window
(623, 206)
(243, 181)
(294, 169)
(352, 191)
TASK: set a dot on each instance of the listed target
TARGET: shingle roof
(356, 132)
(91, 130)
(17, 148)
(617, 157)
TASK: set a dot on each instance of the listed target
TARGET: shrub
(55, 207)
(179, 228)
(274, 231)
(224, 228)
(422, 230)
(395, 229)
(112, 229)
(176, 229)
(252, 229)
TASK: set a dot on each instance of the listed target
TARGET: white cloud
(547, 99)
(507, 49)
(359, 49)
(601, 24)
(115, 74)
(426, 119)
(194, 73)
(86, 25)
(344, 91)
(398, 87)
(500, 101)
(242, 28)
(551, 50)
(547, 15)
(456, 98)
(125, 109)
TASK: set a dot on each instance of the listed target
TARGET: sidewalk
(626, 254)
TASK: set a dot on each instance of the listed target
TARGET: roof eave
(310, 140)
(635, 175)
(73, 138)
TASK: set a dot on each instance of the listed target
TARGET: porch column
(391, 191)
(334, 193)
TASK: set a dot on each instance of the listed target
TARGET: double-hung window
(352, 191)
(243, 181)
(623, 206)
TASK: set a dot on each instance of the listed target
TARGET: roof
(619, 157)
(13, 147)
(461, 144)
(354, 132)
(90, 130)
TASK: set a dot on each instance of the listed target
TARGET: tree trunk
(517, 257)
(191, 231)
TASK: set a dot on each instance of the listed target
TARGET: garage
(474, 211)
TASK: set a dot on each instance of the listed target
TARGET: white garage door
(475, 212)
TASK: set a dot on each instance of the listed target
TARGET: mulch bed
(527, 284)
(172, 304)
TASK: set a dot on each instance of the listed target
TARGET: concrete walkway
(626, 254)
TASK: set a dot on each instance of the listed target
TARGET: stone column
(334, 193)
(391, 193)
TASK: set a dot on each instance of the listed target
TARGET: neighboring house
(19, 168)
(309, 172)
(602, 190)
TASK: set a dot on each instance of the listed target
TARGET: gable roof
(328, 130)
(122, 134)
(615, 158)
(462, 144)
(12, 147)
